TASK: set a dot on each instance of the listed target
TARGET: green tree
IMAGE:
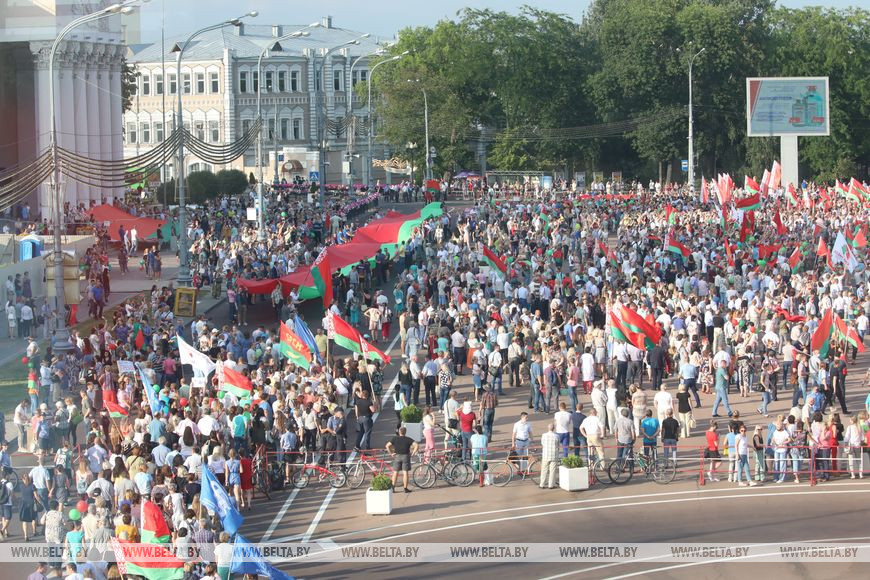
(232, 181)
(201, 186)
(129, 84)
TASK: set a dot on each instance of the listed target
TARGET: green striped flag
(495, 262)
(821, 339)
(236, 383)
(294, 349)
(154, 529)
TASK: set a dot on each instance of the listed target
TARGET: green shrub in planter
(572, 462)
(412, 414)
(381, 483)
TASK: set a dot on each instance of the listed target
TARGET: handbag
(453, 423)
(692, 422)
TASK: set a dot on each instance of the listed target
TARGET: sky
(383, 18)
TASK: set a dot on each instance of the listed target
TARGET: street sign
(684, 165)
(313, 176)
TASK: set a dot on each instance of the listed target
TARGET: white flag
(201, 363)
(842, 253)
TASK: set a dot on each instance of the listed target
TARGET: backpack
(43, 430)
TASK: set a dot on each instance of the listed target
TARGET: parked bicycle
(661, 471)
(358, 471)
(303, 474)
(457, 473)
(260, 467)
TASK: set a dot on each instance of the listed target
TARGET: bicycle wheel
(460, 474)
(300, 478)
(663, 471)
(599, 472)
(356, 475)
(262, 482)
(533, 470)
(500, 473)
(620, 471)
(337, 479)
(424, 476)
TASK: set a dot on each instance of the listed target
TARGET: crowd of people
(517, 291)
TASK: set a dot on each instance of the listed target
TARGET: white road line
(287, 503)
(580, 509)
(307, 535)
(688, 564)
(708, 490)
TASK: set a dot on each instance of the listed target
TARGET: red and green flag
(765, 182)
(777, 221)
(821, 339)
(858, 239)
(294, 348)
(236, 383)
(345, 335)
(670, 214)
(795, 259)
(775, 175)
(319, 280)
(495, 262)
(115, 410)
(851, 194)
(750, 185)
(845, 332)
(672, 245)
(729, 253)
(138, 336)
(792, 195)
(628, 325)
(608, 253)
(765, 250)
(371, 352)
(705, 191)
(752, 202)
(154, 529)
(153, 562)
(545, 220)
(858, 189)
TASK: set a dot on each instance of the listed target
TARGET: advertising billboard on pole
(787, 106)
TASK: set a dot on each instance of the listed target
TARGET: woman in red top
(712, 450)
(247, 476)
(467, 419)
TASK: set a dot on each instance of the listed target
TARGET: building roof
(249, 40)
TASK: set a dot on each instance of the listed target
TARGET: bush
(381, 483)
(411, 414)
(232, 181)
(572, 462)
(201, 186)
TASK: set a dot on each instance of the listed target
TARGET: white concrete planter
(414, 431)
(575, 479)
(379, 503)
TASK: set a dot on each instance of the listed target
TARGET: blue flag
(247, 559)
(302, 330)
(213, 496)
(150, 391)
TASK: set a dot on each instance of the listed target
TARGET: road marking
(323, 506)
(758, 493)
(287, 503)
(686, 565)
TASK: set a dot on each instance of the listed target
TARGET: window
(256, 80)
(146, 84)
(285, 132)
(297, 129)
(360, 76)
(173, 86)
(294, 81)
(246, 126)
(317, 82)
(199, 128)
(243, 82)
(185, 78)
(146, 132)
(268, 80)
(200, 83)
(187, 126)
(215, 83)
(336, 80)
(158, 84)
(282, 81)
(271, 129)
(131, 133)
(158, 131)
(215, 131)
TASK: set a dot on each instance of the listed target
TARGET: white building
(87, 89)
(219, 80)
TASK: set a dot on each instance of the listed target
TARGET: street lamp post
(183, 267)
(61, 341)
(321, 113)
(691, 125)
(275, 47)
(426, 126)
(371, 123)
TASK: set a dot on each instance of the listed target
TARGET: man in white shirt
(207, 423)
(663, 401)
(457, 341)
(521, 435)
(21, 418)
(562, 421)
(592, 429)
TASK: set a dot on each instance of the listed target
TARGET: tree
(129, 84)
(251, 179)
(232, 181)
(201, 186)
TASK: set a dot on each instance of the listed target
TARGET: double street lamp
(62, 341)
(371, 118)
(274, 47)
(184, 278)
(691, 123)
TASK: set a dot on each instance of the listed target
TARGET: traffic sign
(313, 176)
(684, 165)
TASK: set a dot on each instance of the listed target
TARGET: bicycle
(458, 473)
(661, 471)
(260, 467)
(359, 469)
(531, 470)
(302, 476)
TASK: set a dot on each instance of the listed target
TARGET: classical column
(116, 112)
(40, 51)
(83, 128)
(92, 90)
(105, 114)
(66, 124)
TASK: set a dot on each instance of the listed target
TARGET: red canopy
(145, 227)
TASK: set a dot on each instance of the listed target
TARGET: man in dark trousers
(657, 358)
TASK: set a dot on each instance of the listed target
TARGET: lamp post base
(61, 341)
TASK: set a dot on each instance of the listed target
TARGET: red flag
(765, 182)
(792, 195)
(822, 249)
(795, 259)
(858, 190)
(729, 253)
(780, 229)
(746, 227)
(765, 250)
(775, 175)
(705, 191)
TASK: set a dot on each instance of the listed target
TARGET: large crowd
(536, 320)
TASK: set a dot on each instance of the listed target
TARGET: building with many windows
(219, 81)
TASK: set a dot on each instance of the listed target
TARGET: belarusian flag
(851, 194)
(371, 352)
(750, 203)
(634, 328)
(672, 245)
(346, 335)
(545, 219)
(822, 250)
(608, 253)
(670, 214)
(845, 332)
(775, 175)
(795, 259)
(115, 410)
(750, 185)
(765, 250)
(154, 529)
(293, 348)
(729, 253)
(765, 182)
(821, 339)
(705, 191)
(792, 195)
(154, 562)
(495, 262)
(138, 336)
(322, 276)
(777, 221)
(236, 383)
(858, 189)
(858, 240)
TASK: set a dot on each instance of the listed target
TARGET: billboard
(797, 106)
